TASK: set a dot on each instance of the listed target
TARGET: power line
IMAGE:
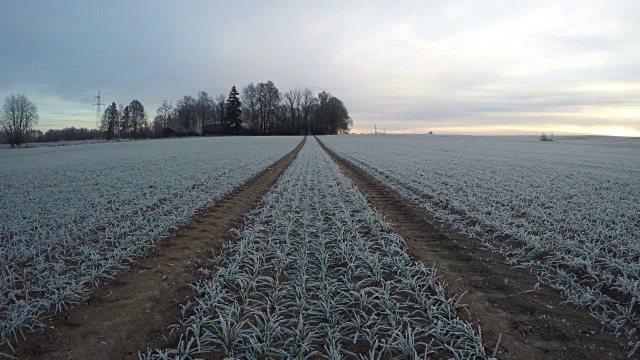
(98, 104)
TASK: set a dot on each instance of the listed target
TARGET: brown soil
(132, 312)
(533, 324)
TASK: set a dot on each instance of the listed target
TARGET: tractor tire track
(132, 312)
(499, 297)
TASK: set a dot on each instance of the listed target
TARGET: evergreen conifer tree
(234, 110)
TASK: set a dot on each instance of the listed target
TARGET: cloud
(541, 66)
(414, 64)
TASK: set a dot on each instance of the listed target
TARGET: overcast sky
(466, 67)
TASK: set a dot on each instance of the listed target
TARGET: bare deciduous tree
(110, 120)
(250, 105)
(309, 106)
(220, 110)
(186, 113)
(204, 107)
(18, 116)
(293, 100)
(163, 117)
(138, 117)
(268, 99)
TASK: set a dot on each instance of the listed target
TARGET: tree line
(259, 109)
(67, 134)
(125, 122)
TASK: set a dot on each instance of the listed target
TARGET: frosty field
(318, 274)
(569, 210)
(321, 256)
(74, 215)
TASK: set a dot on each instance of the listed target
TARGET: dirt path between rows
(533, 324)
(131, 313)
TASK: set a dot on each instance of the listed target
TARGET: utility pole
(98, 104)
(375, 128)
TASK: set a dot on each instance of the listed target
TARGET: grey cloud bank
(462, 67)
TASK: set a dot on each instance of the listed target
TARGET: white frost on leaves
(316, 273)
(567, 210)
(71, 216)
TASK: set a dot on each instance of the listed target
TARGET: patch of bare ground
(132, 312)
(533, 324)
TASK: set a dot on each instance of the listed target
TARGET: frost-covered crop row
(569, 210)
(316, 273)
(71, 216)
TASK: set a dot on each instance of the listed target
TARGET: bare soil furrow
(131, 312)
(533, 324)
